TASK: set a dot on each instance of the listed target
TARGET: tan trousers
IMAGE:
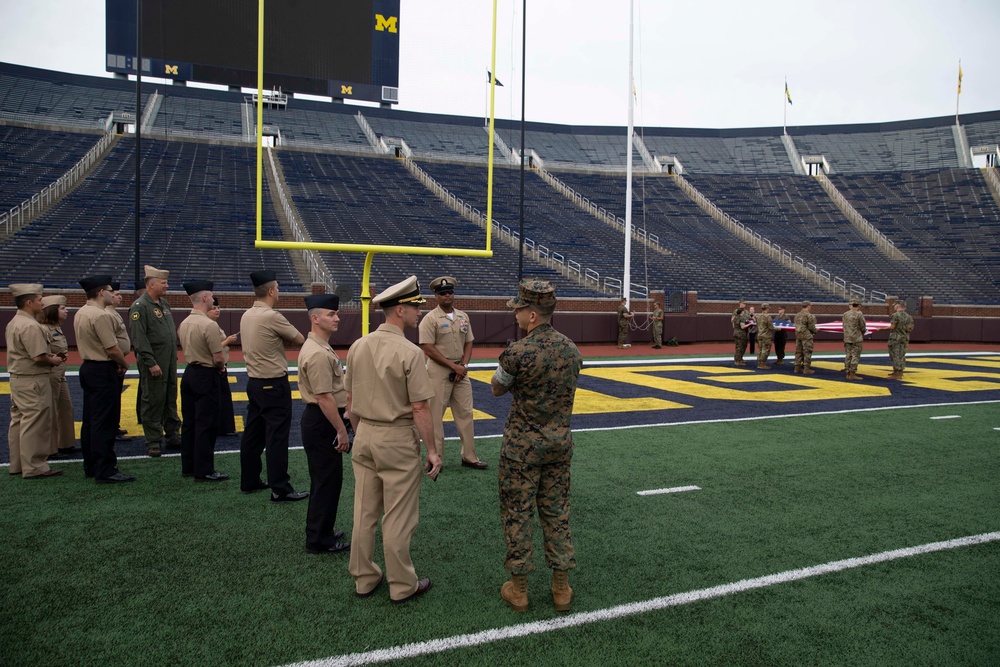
(459, 396)
(63, 433)
(387, 474)
(30, 433)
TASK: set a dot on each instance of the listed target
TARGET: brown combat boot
(895, 375)
(764, 367)
(854, 376)
(562, 594)
(806, 370)
(798, 369)
(515, 592)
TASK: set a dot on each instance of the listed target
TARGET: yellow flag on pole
(959, 78)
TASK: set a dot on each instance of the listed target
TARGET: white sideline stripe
(676, 489)
(650, 361)
(947, 417)
(632, 426)
(634, 608)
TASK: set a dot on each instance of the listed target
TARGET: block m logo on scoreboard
(382, 23)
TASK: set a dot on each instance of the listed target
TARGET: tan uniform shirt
(58, 345)
(199, 337)
(385, 374)
(225, 348)
(121, 333)
(264, 329)
(26, 339)
(95, 332)
(320, 371)
(448, 334)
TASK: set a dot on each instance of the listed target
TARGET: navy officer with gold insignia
(269, 411)
(154, 337)
(446, 338)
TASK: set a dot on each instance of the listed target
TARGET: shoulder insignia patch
(135, 315)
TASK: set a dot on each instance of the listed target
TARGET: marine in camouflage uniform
(624, 315)
(765, 333)
(900, 326)
(740, 337)
(805, 330)
(540, 371)
(154, 337)
(854, 331)
(657, 318)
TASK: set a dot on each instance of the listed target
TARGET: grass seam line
(635, 608)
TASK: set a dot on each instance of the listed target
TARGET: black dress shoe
(370, 593)
(214, 477)
(259, 486)
(122, 431)
(423, 586)
(289, 497)
(117, 478)
(338, 535)
(58, 456)
(478, 465)
(334, 548)
(173, 443)
(123, 437)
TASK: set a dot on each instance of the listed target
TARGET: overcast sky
(698, 63)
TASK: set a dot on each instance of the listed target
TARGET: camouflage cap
(765, 306)
(855, 303)
(533, 293)
(806, 304)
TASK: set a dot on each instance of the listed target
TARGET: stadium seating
(34, 159)
(374, 200)
(197, 221)
(902, 176)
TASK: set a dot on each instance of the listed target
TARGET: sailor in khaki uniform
(227, 417)
(446, 338)
(29, 362)
(199, 337)
(103, 365)
(54, 313)
(124, 342)
(387, 400)
(325, 424)
(269, 413)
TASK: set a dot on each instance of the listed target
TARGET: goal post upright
(370, 250)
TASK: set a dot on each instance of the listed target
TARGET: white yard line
(947, 417)
(632, 609)
(676, 489)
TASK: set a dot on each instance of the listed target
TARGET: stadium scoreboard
(338, 48)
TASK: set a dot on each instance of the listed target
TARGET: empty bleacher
(198, 116)
(315, 124)
(889, 150)
(71, 100)
(374, 200)
(197, 221)
(34, 159)
(436, 139)
(703, 253)
(599, 148)
(946, 221)
(703, 154)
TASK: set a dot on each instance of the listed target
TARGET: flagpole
(627, 277)
(958, 95)
(784, 106)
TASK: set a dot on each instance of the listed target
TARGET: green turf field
(167, 572)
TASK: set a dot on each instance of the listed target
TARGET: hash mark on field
(635, 608)
(676, 489)
(948, 417)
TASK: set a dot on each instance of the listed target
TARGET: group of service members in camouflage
(392, 398)
(804, 322)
